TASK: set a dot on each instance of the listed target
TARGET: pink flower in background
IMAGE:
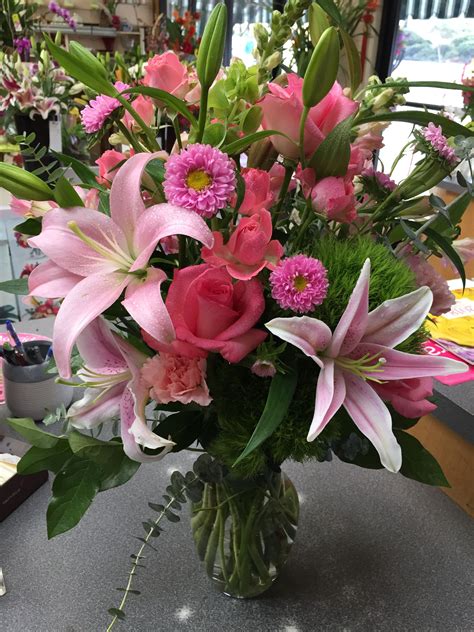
(359, 160)
(144, 107)
(408, 397)
(249, 249)
(167, 73)
(282, 108)
(212, 313)
(434, 135)
(170, 245)
(97, 111)
(200, 178)
(465, 249)
(90, 197)
(30, 208)
(359, 352)
(176, 378)
(258, 194)
(107, 164)
(263, 368)
(306, 178)
(299, 283)
(94, 258)
(382, 178)
(425, 274)
(277, 176)
(369, 136)
(334, 197)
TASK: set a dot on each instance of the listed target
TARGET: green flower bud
(87, 59)
(273, 61)
(322, 68)
(211, 50)
(318, 22)
(23, 184)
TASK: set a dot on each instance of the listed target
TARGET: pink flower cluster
(434, 135)
(96, 113)
(299, 283)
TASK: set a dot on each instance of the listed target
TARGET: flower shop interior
(236, 315)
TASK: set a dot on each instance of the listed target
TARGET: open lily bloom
(111, 375)
(94, 258)
(361, 351)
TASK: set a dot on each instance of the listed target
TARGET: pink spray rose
(176, 378)
(258, 194)
(167, 73)
(408, 397)
(249, 249)
(144, 107)
(282, 108)
(107, 163)
(211, 313)
(334, 197)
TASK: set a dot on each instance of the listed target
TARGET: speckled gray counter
(374, 552)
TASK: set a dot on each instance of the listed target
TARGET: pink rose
(408, 397)
(359, 160)
(30, 208)
(212, 313)
(282, 108)
(176, 378)
(144, 107)
(258, 194)
(107, 163)
(167, 73)
(90, 197)
(249, 249)
(334, 197)
(277, 176)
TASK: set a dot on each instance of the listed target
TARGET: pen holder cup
(30, 391)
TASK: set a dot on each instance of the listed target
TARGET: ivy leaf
(418, 463)
(279, 398)
(15, 286)
(40, 459)
(74, 489)
(27, 428)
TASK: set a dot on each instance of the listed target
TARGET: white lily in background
(111, 375)
(361, 351)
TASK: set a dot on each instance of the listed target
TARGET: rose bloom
(249, 249)
(107, 163)
(212, 313)
(144, 107)
(408, 397)
(176, 378)
(258, 193)
(167, 73)
(334, 197)
(282, 109)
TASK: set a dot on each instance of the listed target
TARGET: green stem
(177, 131)
(202, 114)
(153, 145)
(131, 141)
(304, 116)
(284, 187)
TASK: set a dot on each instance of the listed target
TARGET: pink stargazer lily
(94, 258)
(361, 350)
(111, 375)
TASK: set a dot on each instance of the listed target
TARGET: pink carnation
(96, 113)
(176, 378)
(200, 178)
(425, 274)
(299, 283)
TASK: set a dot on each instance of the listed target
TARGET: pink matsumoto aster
(361, 351)
(95, 114)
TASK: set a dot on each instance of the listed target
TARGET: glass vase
(243, 531)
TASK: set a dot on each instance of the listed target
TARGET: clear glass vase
(244, 530)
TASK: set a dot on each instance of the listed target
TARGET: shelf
(85, 31)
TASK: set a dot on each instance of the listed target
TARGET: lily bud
(23, 184)
(87, 59)
(318, 22)
(211, 49)
(322, 68)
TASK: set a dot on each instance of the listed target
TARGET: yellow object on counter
(458, 324)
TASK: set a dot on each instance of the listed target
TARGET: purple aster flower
(434, 135)
(299, 283)
(200, 178)
(99, 109)
(382, 178)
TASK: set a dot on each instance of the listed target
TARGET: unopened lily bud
(211, 49)
(322, 68)
(23, 184)
(318, 22)
(84, 56)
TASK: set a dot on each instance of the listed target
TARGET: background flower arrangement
(257, 288)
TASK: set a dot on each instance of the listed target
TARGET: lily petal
(85, 302)
(396, 319)
(310, 335)
(373, 419)
(352, 323)
(98, 348)
(50, 281)
(144, 303)
(330, 394)
(96, 406)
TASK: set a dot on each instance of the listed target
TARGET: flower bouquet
(254, 294)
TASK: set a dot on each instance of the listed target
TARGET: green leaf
(170, 100)
(31, 226)
(24, 185)
(332, 156)
(331, 9)
(118, 470)
(115, 612)
(15, 286)
(449, 127)
(65, 194)
(455, 210)
(353, 59)
(251, 119)
(86, 175)
(40, 459)
(238, 146)
(279, 398)
(418, 463)
(444, 85)
(74, 489)
(214, 134)
(29, 430)
(450, 252)
(183, 427)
